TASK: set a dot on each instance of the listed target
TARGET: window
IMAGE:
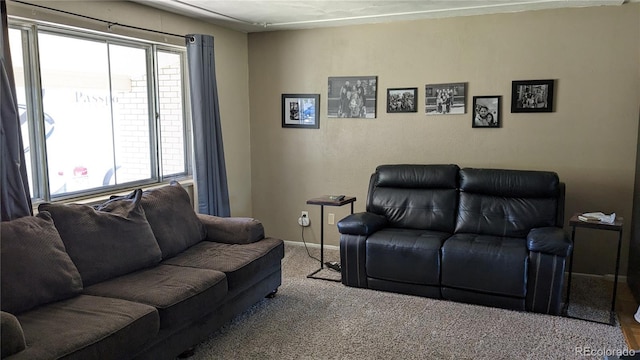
(98, 113)
(171, 103)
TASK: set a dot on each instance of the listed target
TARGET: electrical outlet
(331, 219)
(303, 220)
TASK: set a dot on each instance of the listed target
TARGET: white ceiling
(268, 15)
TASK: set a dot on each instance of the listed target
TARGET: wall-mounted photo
(352, 97)
(486, 112)
(301, 111)
(445, 99)
(532, 96)
(402, 100)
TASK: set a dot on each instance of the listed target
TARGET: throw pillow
(35, 267)
(111, 240)
(172, 218)
(232, 230)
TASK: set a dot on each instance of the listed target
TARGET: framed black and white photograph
(402, 100)
(352, 97)
(301, 111)
(445, 99)
(532, 96)
(486, 112)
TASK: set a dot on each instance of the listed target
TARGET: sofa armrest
(232, 230)
(549, 240)
(11, 335)
(364, 223)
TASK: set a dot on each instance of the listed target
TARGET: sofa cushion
(232, 230)
(180, 294)
(35, 267)
(415, 196)
(506, 202)
(488, 264)
(11, 335)
(241, 263)
(87, 327)
(172, 218)
(510, 183)
(106, 243)
(390, 250)
(411, 176)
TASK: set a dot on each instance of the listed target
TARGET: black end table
(326, 201)
(574, 222)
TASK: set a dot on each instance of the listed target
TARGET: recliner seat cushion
(487, 264)
(180, 294)
(240, 262)
(405, 255)
(87, 327)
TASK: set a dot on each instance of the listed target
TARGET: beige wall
(231, 69)
(589, 140)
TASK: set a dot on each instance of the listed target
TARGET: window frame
(39, 183)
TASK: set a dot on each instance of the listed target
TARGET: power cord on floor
(305, 246)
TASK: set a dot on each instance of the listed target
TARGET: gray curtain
(210, 169)
(14, 196)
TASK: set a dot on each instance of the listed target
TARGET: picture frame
(301, 111)
(486, 111)
(445, 99)
(402, 100)
(352, 97)
(528, 96)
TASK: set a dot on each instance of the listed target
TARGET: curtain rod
(109, 23)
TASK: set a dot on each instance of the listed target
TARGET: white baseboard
(311, 245)
(607, 277)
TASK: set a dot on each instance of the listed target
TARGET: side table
(574, 222)
(326, 201)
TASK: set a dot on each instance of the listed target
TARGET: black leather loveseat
(485, 236)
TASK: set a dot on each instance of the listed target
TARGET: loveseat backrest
(415, 196)
(508, 202)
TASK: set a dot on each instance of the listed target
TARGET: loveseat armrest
(232, 230)
(11, 335)
(549, 240)
(364, 223)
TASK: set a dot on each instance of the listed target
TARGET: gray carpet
(591, 298)
(316, 319)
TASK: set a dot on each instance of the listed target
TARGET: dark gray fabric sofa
(485, 236)
(138, 277)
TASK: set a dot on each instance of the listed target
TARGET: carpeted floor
(316, 319)
(591, 298)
